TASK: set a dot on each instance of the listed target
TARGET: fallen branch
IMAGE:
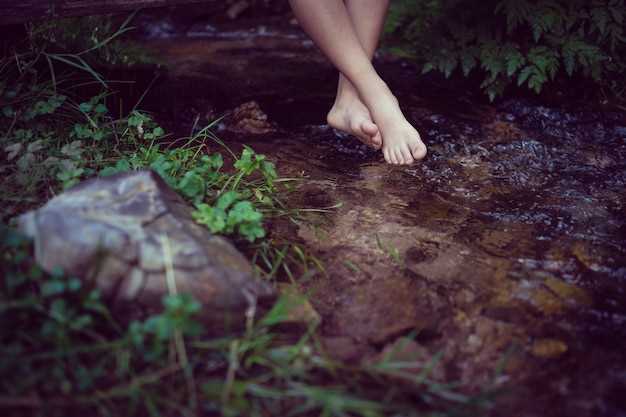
(12, 12)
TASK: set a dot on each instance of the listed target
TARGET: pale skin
(347, 32)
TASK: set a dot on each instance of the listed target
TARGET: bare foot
(351, 116)
(402, 144)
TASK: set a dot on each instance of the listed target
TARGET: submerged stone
(249, 119)
(135, 239)
(548, 348)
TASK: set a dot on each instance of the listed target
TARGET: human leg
(348, 112)
(329, 25)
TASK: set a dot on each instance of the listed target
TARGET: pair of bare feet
(399, 140)
(347, 32)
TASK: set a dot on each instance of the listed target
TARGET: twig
(32, 401)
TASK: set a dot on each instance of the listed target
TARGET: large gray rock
(129, 233)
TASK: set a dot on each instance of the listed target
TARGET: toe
(406, 154)
(398, 156)
(369, 128)
(387, 156)
(377, 140)
(357, 130)
(418, 150)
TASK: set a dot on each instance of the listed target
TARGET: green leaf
(85, 107)
(192, 185)
(122, 165)
(246, 163)
(468, 61)
(212, 217)
(526, 72)
(215, 161)
(81, 322)
(164, 168)
(181, 304)
(52, 287)
(98, 135)
(242, 212)
(269, 172)
(157, 132)
(136, 119)
(227, 199)
(514, 61)
(251, 231)
(73, 150)
(74, 284)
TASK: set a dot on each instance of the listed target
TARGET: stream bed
(505, 247)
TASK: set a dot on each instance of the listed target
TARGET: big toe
(369, 128)
(377, 140)
(418, 150)
(361, 129)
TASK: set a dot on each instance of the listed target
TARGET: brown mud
(507, 242)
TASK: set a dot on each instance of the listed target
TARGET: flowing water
(507, 242)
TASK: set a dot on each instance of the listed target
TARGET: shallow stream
(508, 241)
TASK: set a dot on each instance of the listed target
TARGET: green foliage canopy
(523, 42)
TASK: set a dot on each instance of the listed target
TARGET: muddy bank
(507, 242)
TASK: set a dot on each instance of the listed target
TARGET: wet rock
(377, 311)
(571, 294)
(548, 348)
(135, 238)
(552, 296)
(248, 118)
(541, 299)
(503, 130)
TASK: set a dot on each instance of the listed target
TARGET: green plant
(229, 215)
(85, 43)
(520, 42)
(63, 341)
(94, 126)
(51, 136)
(225, 203)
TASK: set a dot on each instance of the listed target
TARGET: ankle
(346, 97)
(375, 90)
(386, 110)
